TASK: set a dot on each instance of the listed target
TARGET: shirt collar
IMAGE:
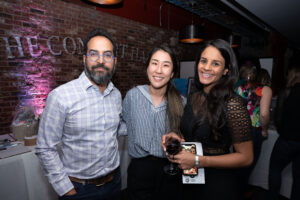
(145, 91)
(87, 84)
(109, 88)
(85, 81)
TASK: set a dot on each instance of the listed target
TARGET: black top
(287, 114)
(238, 128)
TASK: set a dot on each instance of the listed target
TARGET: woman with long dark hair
(149, 112)
(216, 117)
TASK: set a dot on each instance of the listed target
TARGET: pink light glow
(38, 72)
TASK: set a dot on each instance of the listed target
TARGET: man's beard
(100, 78)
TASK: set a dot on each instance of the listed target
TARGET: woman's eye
(203, 61)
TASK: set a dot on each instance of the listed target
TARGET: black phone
(194, 170)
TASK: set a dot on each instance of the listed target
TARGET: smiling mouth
(157, 78)
(205, 75)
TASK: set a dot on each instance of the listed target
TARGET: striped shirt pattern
(145, 123)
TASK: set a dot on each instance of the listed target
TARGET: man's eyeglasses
(94, 56)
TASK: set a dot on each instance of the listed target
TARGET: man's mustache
(100, 66)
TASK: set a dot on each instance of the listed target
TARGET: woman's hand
(165, 137)
(184, 159)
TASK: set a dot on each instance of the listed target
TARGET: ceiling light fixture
(106, 2)
(235, 41)
(192, 33)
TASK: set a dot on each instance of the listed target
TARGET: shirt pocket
(75, 124)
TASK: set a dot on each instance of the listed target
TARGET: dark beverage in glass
(173, 147)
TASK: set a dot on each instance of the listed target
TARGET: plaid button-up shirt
(86, 123)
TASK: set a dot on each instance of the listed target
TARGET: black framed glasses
(94, 56)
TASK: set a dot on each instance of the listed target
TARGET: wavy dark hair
(174, 100)
(213, 105)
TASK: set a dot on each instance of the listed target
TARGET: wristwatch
(197, 161)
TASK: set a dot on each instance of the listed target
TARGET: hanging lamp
(106, 2)
(191, 34)
(235, 41)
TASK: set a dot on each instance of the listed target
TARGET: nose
(100, 59)
(207, 66)
(159, 68)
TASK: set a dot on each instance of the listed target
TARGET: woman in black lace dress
(217, 118)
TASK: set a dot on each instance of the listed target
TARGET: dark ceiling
(252, 18)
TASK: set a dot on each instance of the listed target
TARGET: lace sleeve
(238, 120)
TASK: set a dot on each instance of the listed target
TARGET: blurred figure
(264, 78)
(258, 98)
(287, 146)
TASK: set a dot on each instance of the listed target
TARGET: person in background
(216, 117)
(264, 78)
(258, 98)
(287, 146)
(84, 116)
(149, 112)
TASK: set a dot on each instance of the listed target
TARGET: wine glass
(173, 147)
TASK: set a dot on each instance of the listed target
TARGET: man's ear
(84, 59)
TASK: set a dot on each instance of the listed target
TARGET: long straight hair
(174, 100)
(213, 104)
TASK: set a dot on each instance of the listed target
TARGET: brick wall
(40, 49)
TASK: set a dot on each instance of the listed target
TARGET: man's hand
(71, 192)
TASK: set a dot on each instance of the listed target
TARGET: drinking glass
(173, 147)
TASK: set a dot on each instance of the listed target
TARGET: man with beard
(84, 116)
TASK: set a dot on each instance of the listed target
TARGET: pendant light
(106, 2)
(191, 33)
(235, 41)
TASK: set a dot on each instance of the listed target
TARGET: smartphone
(192, 171)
